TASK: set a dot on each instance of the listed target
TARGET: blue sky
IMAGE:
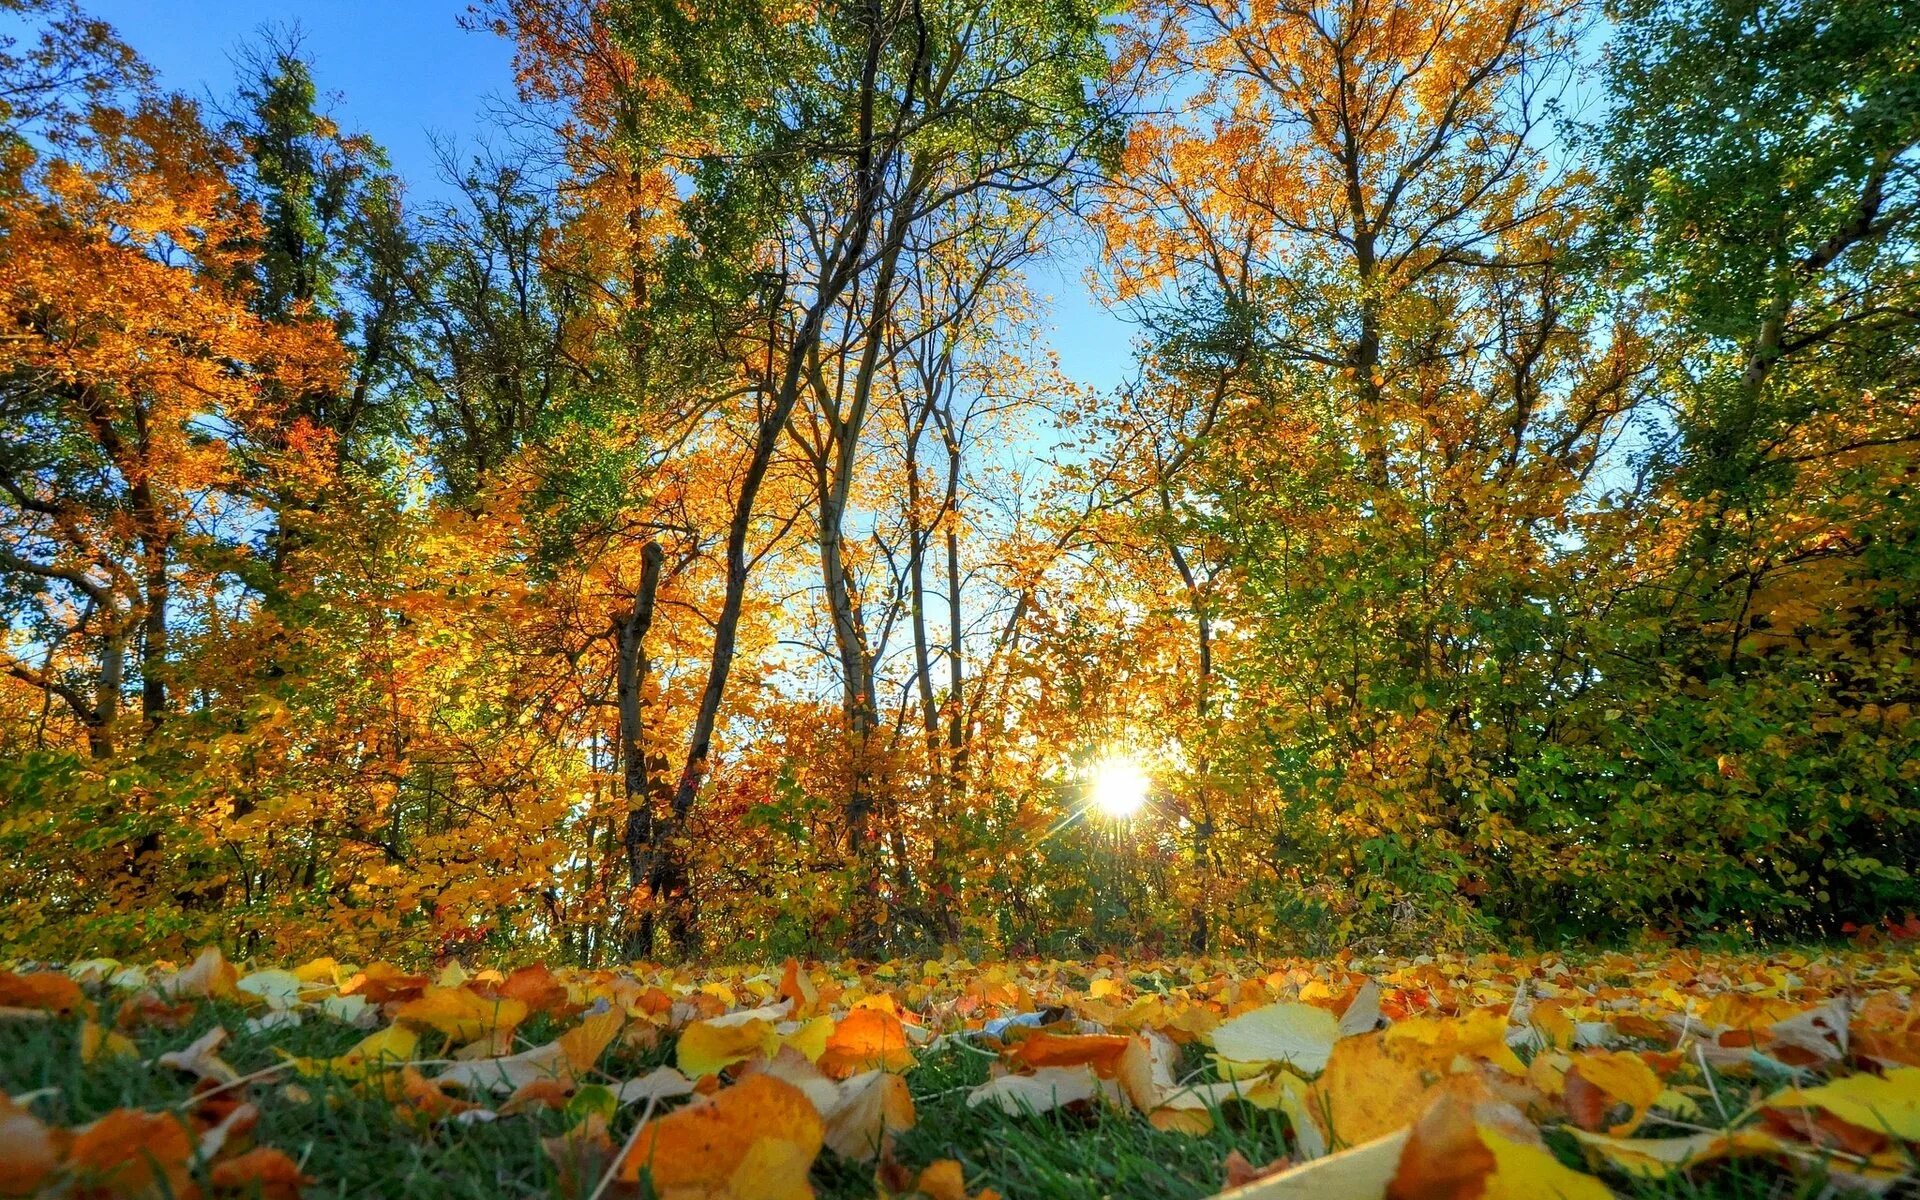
(405, 72)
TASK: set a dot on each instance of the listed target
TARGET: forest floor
(1783, 1077)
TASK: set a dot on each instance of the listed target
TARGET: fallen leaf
(461, 1013)
(418, 1100)
(566, 1058)
(199, 1058)
(1240, 1172)
(377, 1051)
(1360, 1173)
(279, 990)
(47, 991)
(1885, 1104)
(1528, 1171)
(798, 990)
(869, 1109)
(866, 1039)
(30, 1151)
(262, 1172)
(661, 1083)
(580, 1156)
(1043, 1091)
(1297, 1035)
(130, 1153)
(209, 976)
(1102, 1052)
(535, 987)
(1362, 1014)
(381, 983)
(757, 1139)
(1599, 1079)
(709, 1047)
(98, 1042)
(1661, 1158)
(942, 1179)
(1445, 1157)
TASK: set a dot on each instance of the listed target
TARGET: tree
(136, 372)
(1361, 260)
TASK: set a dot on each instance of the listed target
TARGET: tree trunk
(956, 681)
(631, 677)
(103, 728)
(153, 640)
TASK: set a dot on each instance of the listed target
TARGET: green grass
(355, 1147)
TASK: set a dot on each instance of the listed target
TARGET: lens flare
(1118, 786)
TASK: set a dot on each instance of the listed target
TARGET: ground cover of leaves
(1691, 1075)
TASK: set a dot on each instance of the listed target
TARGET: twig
(613, 1168)
(230, 1084)
(1700, 1052)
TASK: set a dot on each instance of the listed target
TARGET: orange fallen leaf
(762, 1132)
(263, 1172)
(1445, 1158)
(380, 983)
(1102, 1052)
(133, 1153)
(48, 991)
(1240, 1172)
(209, 976)
(942, 1179)
(798, 990)
(580, 1156)
(30, 1151)
(416, 1099)
(867, 1039)
(538, 1093)
(535, 987)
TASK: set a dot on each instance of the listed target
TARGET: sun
(1117, 785)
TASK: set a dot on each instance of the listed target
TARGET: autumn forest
(676, 539)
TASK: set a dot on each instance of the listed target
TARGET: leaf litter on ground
(1386, 1079)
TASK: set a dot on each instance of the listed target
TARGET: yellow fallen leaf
(709, 1047)
(276, 989)
(1477, 1035)
(1373, 1086)
(1523, 1171)
(1620, 1077)
(319, 970)
(810, 1039)
(1887, 1104)
(378, 1051)
(461, 1013)
(1678, 1103)
(1660, 1158)
(1291, 1034)
(98, 1042)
